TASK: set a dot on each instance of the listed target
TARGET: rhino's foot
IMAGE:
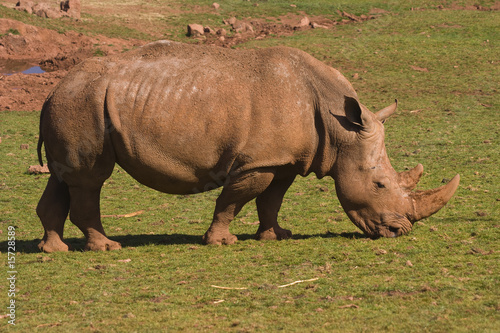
(50, 246)
(219, 238)
(275, 233)
(102, 244)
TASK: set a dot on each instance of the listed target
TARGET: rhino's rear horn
(386, 112)
(409, 179)
(426, 203)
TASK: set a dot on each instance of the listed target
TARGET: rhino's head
(376, 198)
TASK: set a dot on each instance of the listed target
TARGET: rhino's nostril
(396, 231)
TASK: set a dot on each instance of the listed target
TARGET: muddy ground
(51, 54)
(47, 52)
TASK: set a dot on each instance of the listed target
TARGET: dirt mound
(23, 46)
(23, 41)
(22, 92)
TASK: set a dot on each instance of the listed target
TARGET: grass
(442, 277)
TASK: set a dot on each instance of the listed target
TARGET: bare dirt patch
(23, 41)
(26, 92)
(23, 46)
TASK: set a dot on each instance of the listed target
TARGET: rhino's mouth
(388, 225)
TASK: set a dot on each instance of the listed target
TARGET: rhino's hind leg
(85, 214)
(52, 210)
(234, 196)
(268, 206)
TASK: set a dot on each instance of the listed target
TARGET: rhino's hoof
(53, 246)
(273, 234)
(107, 245)
(219, 239)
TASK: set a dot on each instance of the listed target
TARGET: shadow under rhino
(139, 240)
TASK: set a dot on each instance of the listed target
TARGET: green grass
(442, 277)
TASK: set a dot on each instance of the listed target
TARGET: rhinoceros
(185, 119)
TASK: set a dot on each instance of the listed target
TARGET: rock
(215, 5)
(242, 27)
(24, 5)
(195, 30)
(304, 22)
(72, 8)
(230, 21)
(40, 7)
(222, 32)
(315, 25)
(209, 30)
(48, 13)
(37, 169)
(44, 11)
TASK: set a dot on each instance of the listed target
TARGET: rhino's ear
(386, 112)
(355, 113)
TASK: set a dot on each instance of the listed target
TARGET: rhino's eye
(379, 185)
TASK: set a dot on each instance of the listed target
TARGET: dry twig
(229, 288)
(139, 212)
(295, 282)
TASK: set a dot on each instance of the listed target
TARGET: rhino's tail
(40, 138)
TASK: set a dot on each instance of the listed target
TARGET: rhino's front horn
(409, 179)
(426, 203)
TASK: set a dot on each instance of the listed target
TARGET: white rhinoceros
(186, 119)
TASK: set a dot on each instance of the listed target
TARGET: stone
(304, 22)
(36, 169)
(72, 8)
(230, 21)
(24, 5)
(195, 30)
(315, 25)
(49, 13)
(209, 30)
(242, 27)
(43, 10)
(222, 32)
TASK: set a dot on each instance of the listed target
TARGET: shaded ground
(51, 54)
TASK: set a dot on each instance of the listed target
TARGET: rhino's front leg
(234, 196)
(268, 206)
